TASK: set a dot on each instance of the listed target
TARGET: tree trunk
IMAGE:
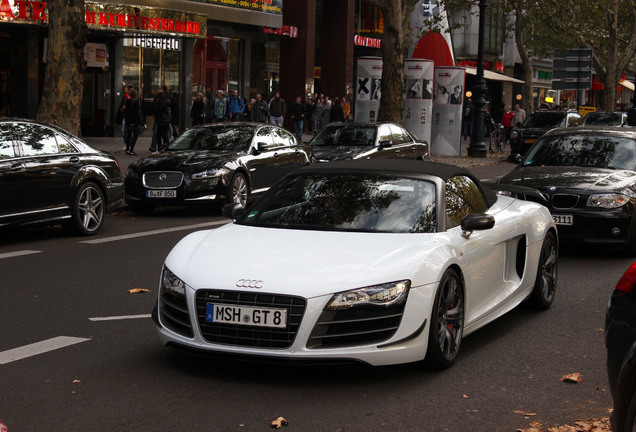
(611, 73)
(526, 60)
(64, 74)
(392, 102)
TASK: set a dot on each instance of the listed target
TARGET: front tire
(545, 285)
(447, 321)
(87, 210)
(240, 189)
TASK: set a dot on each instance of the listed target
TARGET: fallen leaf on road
(76, 381)
(535, 424)
(524, 413)
(138, 291)
(280, 421)
(572, 378)
(590, 425)
(465, 396)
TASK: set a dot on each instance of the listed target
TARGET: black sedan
(342, 141)
(620, 340)
(50, 176)
(588, 176)
(214, 163)
(605, 118)
(538, 123)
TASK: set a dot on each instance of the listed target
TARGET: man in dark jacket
(163, 117)
(297, 112)
(259, 111)
(277, 110)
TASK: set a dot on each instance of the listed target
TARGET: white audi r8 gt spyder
(379, 262)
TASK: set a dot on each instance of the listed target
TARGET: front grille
(173, 311)
(245, 335)
(356, 326)
(162, 179)
(564, 201)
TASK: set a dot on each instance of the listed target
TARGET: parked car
(620, 341)
(538, 123)
(49, 176)
(341, 141)
(604, 118)
(376, 261)
(588, 176)
(215, 163)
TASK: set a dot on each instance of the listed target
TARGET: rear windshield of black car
(347, 202)
(548, 119)
(214, 138)
(585, 151)
(345, 136)
(603, 118)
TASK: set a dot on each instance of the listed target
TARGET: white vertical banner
(447, 110)
(369, 79)
(418, 97)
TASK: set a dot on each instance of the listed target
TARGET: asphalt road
(110, 373)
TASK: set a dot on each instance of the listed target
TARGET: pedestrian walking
(163, 117)
(197, 112)
(121, 113)
(155, 127)
(318, 114)
(467, 122)
(174, 111)
(277, 110)
(208, 106)
(236, 106)
(326, 112)
(520, 115)
(506, 120)
(337, 114)
(220, 113)
(297, 113)
(310, 107)
(133, 120)
(259, 110)
(346, 109)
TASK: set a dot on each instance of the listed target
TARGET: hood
(332, 153)
(306, 263)
(534, 131)
(584, 178)
(186, 161)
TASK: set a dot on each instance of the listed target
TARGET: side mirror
(233, 211)
(260, 148)
(385, 143)
(476, 222)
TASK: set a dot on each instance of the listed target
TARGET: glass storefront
(216, 65)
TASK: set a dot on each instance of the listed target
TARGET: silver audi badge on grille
(250, 283)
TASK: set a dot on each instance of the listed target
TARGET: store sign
(291, 31)
(497, 65)
(108, 16)
(269, 6)
(367, 41)
(169, 44)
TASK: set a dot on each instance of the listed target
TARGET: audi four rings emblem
(250, 283)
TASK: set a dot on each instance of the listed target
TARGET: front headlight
(514, 134)
(213, 172)
(171, 284)
(387, 294)
(608, 201)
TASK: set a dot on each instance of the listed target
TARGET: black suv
(538, 123)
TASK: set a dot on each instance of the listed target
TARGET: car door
(291, 156)
(48, 170)
(11, 177)
(404, 147)
(484, 252)
(385, 143)
(262, 160)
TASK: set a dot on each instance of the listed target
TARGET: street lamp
(477, 147)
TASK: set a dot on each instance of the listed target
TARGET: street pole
(477, 147)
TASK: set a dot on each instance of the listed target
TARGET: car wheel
(447, 321)
(240, 189)
(630, 417)
(87, 210)
(141, 209)
(545, 285)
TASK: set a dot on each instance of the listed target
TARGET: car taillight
(627, 282)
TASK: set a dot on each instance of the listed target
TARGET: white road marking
(18, 253)
(155, 232)
(38, 348)
(123, 317)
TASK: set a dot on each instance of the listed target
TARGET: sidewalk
(115, 146)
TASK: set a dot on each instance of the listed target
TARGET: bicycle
(497, 139)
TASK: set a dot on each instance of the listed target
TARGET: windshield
(544, 120)
(603, 118)
(345, 136)
(584, 150)
(347, 202)
(214, 138)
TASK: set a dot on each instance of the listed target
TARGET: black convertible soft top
(400, 167)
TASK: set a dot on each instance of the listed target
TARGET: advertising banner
(447, 111)
(418, 102)
(369, 79)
